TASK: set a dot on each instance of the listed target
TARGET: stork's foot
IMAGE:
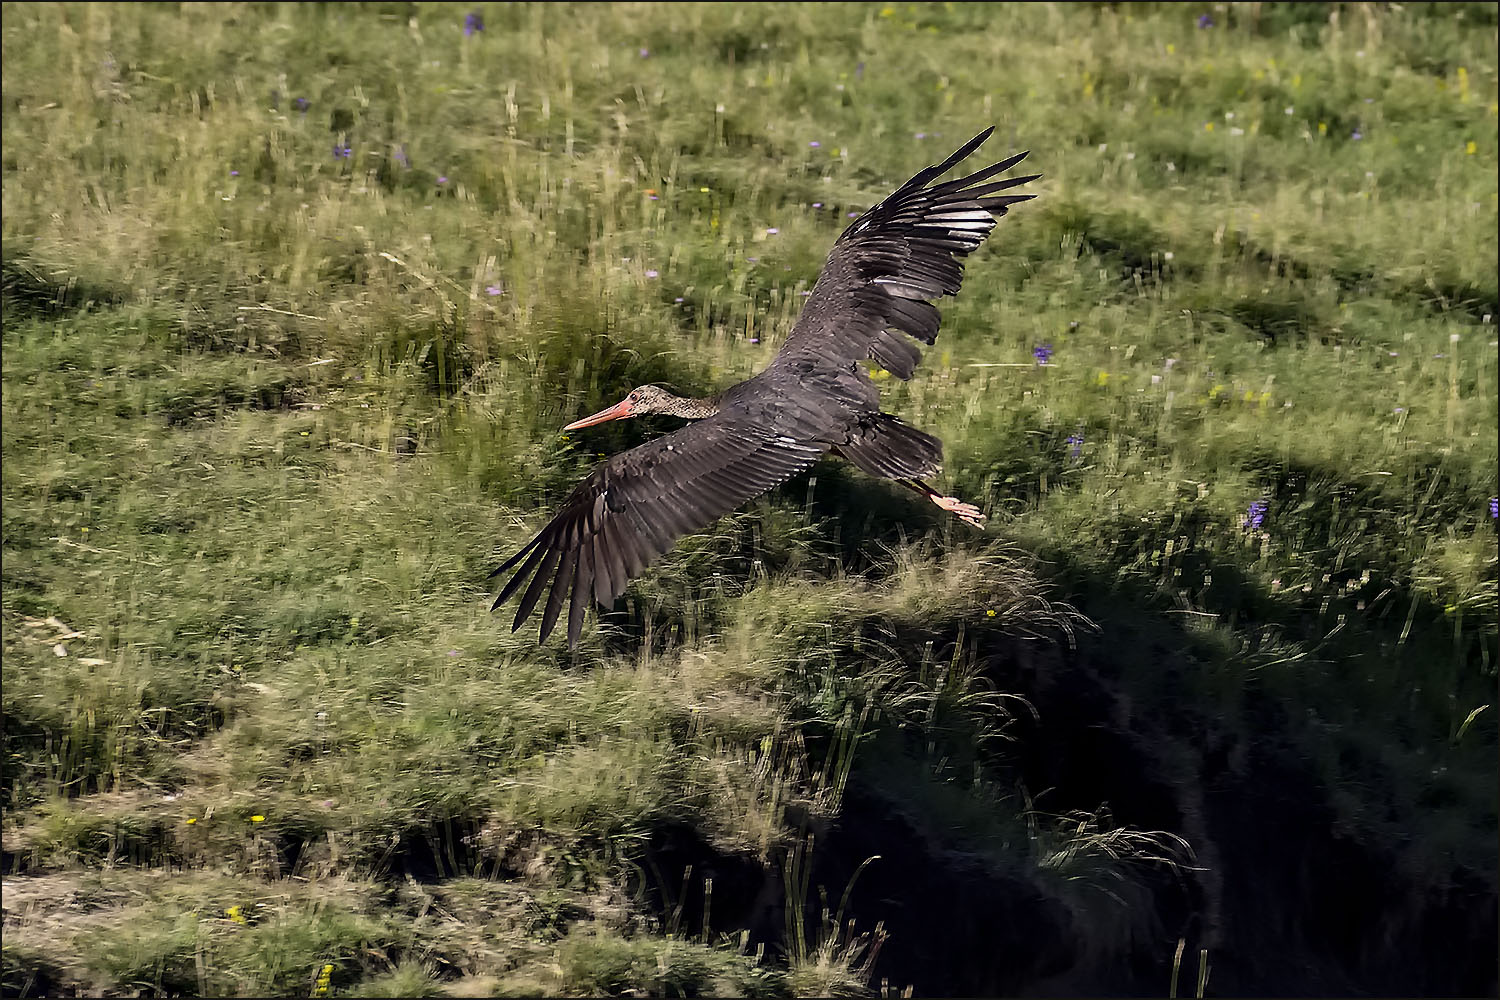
(964, 511)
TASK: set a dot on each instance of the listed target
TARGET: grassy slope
(271, 413)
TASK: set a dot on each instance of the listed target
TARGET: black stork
(813, 398)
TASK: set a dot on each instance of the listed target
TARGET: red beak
(620, 409)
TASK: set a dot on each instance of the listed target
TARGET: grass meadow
(296, 299)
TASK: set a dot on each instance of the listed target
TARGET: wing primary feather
(962, 152)
(618, 571)
(593, 549)
(984, 190)
(606, 583)
(560, 584)
(583, 584)
(1000, 205)
(538, 583)
(517, 557)
(959, 183)
(525, 571)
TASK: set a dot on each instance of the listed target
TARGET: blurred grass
(271, 412)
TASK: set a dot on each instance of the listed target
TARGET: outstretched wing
(891, 260)
(634, 507)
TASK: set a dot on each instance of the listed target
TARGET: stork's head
(642, 399)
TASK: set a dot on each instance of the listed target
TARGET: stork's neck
(692, 409)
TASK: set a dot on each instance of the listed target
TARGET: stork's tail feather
(886, 447)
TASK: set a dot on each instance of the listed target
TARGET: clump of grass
(604, 964)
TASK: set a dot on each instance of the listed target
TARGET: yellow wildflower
(234, 913)
(257, 818)
(1471, 147)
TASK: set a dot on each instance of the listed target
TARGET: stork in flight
(814, 398)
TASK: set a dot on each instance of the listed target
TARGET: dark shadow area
(1276, 870)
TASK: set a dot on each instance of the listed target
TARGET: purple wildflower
(493, 290)
(645, 53)
(455, 652)
(815, 144)
(1255, 515)
(302, 104)
(772, 231)
(473, 21)
(1205, 21)
(401, 156)
(678, 299)
(1356, 135)
(1494, 506)
(342, 151)
(1042, 353)
(442, 179)
(921, 135)
(1075, 444)
(234, 173)
(817, 204)
(653, 273)
(754, 340)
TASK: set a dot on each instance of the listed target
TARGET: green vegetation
(297, 298)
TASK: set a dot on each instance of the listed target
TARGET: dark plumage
(813, 398)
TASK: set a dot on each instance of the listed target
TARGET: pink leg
(964, 511)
